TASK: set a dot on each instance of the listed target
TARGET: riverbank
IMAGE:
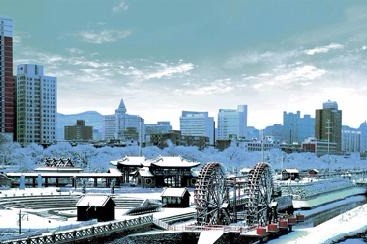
(347, 224)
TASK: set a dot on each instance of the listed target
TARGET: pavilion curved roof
(174, 162)
(130, 161)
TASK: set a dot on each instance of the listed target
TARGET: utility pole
(20, 221)
(140, 136)
(262, 146)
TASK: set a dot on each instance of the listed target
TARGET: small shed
(97, 207)
(313, 173)
(145, 177)
(176, 197)
(291, 174)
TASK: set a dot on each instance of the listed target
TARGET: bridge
(88, 233)
(62, 178)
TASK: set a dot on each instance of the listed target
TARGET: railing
(85, 233)
(161, 224)
(224, 228)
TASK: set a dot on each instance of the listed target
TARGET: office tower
(197, 124)
(306, 128)
(328, 126)
(363, 142)
(232, 123)
(351, 140)
(291, 126)
(79, 132)
(157, 130)
(36, 105)
(123, 126)
(297, 129)
(109, 127)
(7, 83)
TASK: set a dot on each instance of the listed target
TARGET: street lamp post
(140, 136)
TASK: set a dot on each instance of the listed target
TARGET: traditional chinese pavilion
(159, 172)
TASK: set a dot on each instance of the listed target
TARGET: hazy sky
(165, 56)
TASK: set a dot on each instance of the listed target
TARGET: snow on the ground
(9, 218)
(348, 223)
(209, 236)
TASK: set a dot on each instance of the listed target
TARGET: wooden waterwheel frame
(211, 196)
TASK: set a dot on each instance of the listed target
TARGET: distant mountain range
(91, 118)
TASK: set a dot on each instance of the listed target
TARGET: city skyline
(163, 57)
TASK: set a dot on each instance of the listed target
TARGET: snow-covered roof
(130, 161)
(173, 162)
(174, 192)
(93, 200)
(144, 172)
(58, 169)
(291, 171)
(65, 174)
(114, 171)
(245, 170)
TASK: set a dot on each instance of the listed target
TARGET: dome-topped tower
(330, 105)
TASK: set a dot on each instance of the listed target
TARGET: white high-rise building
(36, 105)
(123, 126)
(232, 123)
(197, 124)
(351, 140)
(109, 127)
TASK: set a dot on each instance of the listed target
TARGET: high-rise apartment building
(232, 123)
(328, 126)
(197, 124)
(36, 105)
(7, 83)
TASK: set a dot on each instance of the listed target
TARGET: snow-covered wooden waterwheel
(259, 192)
(211, 196)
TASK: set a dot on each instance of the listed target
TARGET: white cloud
(304, 73)
(168, 71)
(323, 49)
(104, 36)
(121, 6)
(216, 87)
(74, 50)
(364, 48)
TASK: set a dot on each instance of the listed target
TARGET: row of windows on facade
(22, 77)
(33, 132)
(39, 136)
(30, 111)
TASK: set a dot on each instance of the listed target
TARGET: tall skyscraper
(197, 124)
(363, 130)
(7, 83)
(124, 126)
(297, 129)
(36, 105)
(328, 126)
(232, 123)
(291, 126)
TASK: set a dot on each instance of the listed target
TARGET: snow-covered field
(352, 221)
